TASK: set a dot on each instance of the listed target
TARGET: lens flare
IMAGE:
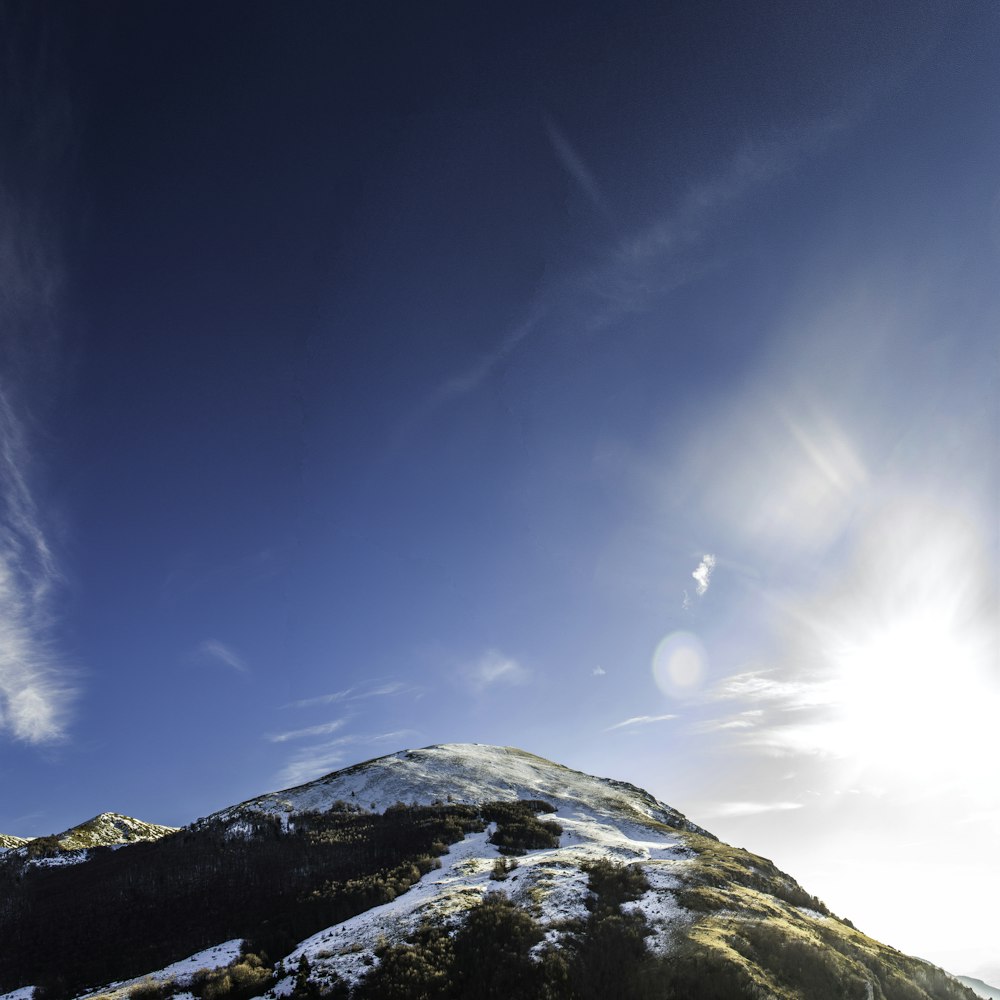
(679, 663)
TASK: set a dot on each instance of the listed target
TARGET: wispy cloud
(599, 671)
(494, 667)
(320, 699)
(640, 720)
(468, 381)
(309, 763)
(35, 689)
(674, 250)
(357, 693)
(323, 729)
(212, 650)
(575, 167)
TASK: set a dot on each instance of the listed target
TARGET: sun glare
(903, 693)
(911, 683)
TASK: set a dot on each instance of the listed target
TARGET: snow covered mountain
(449, 871)
(7, 841)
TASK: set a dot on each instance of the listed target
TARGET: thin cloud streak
(662, 257)
(576, 168)
(465, 382)
(357, 693)
(323, 729)
(214, 650)
(640, 720)
(313, 762)
(475, 375)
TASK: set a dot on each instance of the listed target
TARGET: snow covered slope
(550, 883)
(470, 773)
(7, 841)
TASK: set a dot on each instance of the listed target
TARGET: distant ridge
(980, 988)
(107, 829)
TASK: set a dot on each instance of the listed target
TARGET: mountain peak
(110, 829)
(466, 773)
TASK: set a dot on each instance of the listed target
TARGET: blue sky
(617, 382)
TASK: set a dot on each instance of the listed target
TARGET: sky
(615, 381)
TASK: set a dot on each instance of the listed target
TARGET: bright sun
(911, 689)
(903, 695)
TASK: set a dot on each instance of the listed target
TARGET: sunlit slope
(716, 911)
(7, 841)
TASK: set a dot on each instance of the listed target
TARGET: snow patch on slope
(180, 972)
(549, 883)
(24, 993)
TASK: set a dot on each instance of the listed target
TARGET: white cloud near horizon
(219, 652)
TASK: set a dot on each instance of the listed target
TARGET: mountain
(980, 988)
(108, 830)
(451, 871)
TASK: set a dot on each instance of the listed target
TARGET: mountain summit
(448, 872)
(468, 773)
